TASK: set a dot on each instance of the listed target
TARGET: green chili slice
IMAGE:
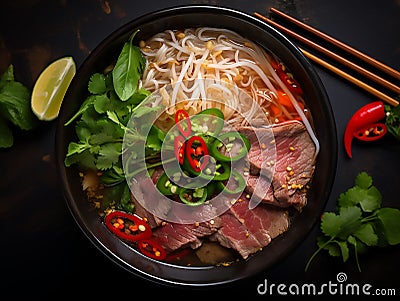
(230, 142)
(193, 197)
(239, 184)
(166, 186)
(208, 122)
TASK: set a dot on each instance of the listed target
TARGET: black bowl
(317, 100)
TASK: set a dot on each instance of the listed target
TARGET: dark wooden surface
(44, 255)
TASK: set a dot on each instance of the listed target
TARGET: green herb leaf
(15, 102)
(108, 155)
(85, 159)
(97, 84)
(6, 135)
(367, 235)
(349, 221)
(344, 249)
(85, 105)
(101, 103)
(113, 175)
(360, 222)
(390, 219)
(330, 224)
(7, 76)
(363, 180)
(128, 69)
(363, 194)
(393, 119)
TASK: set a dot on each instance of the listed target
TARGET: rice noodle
(228, 61)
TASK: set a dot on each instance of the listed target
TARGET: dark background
(43, 253)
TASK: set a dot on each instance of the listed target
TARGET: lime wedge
(50, 88)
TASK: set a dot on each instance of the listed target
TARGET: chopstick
(352, 79)
(343, 46)
(340, 59)
(335, 56)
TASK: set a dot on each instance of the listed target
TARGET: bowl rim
(88, 229)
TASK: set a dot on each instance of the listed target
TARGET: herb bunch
(359, 223)
(102, 119)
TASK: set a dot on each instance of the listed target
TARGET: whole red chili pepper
(367, 116)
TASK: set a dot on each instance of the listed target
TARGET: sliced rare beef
(261, 189)
(173, 236)
(233, 234)
(239, 228)
(248, 231)
(288, 166)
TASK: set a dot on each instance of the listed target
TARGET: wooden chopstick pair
(371, 61)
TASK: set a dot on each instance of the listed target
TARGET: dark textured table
(43, 252)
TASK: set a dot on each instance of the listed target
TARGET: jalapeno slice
(230, 143)
(193, 197)
(208, 122)
(218, 171)
(166, 186)
(239, 183)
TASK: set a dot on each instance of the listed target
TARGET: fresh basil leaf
(128, 69)
(15, 105)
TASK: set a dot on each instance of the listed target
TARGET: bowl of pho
(196, 146)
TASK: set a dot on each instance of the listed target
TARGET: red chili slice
(127, 226)
(178, 255)
(152, 249)
(197, 153)
(179, 149)
(286, 77)
(372, 132)
(180, 116)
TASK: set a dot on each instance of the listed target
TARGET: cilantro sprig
(101, 122)
(360, 222)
